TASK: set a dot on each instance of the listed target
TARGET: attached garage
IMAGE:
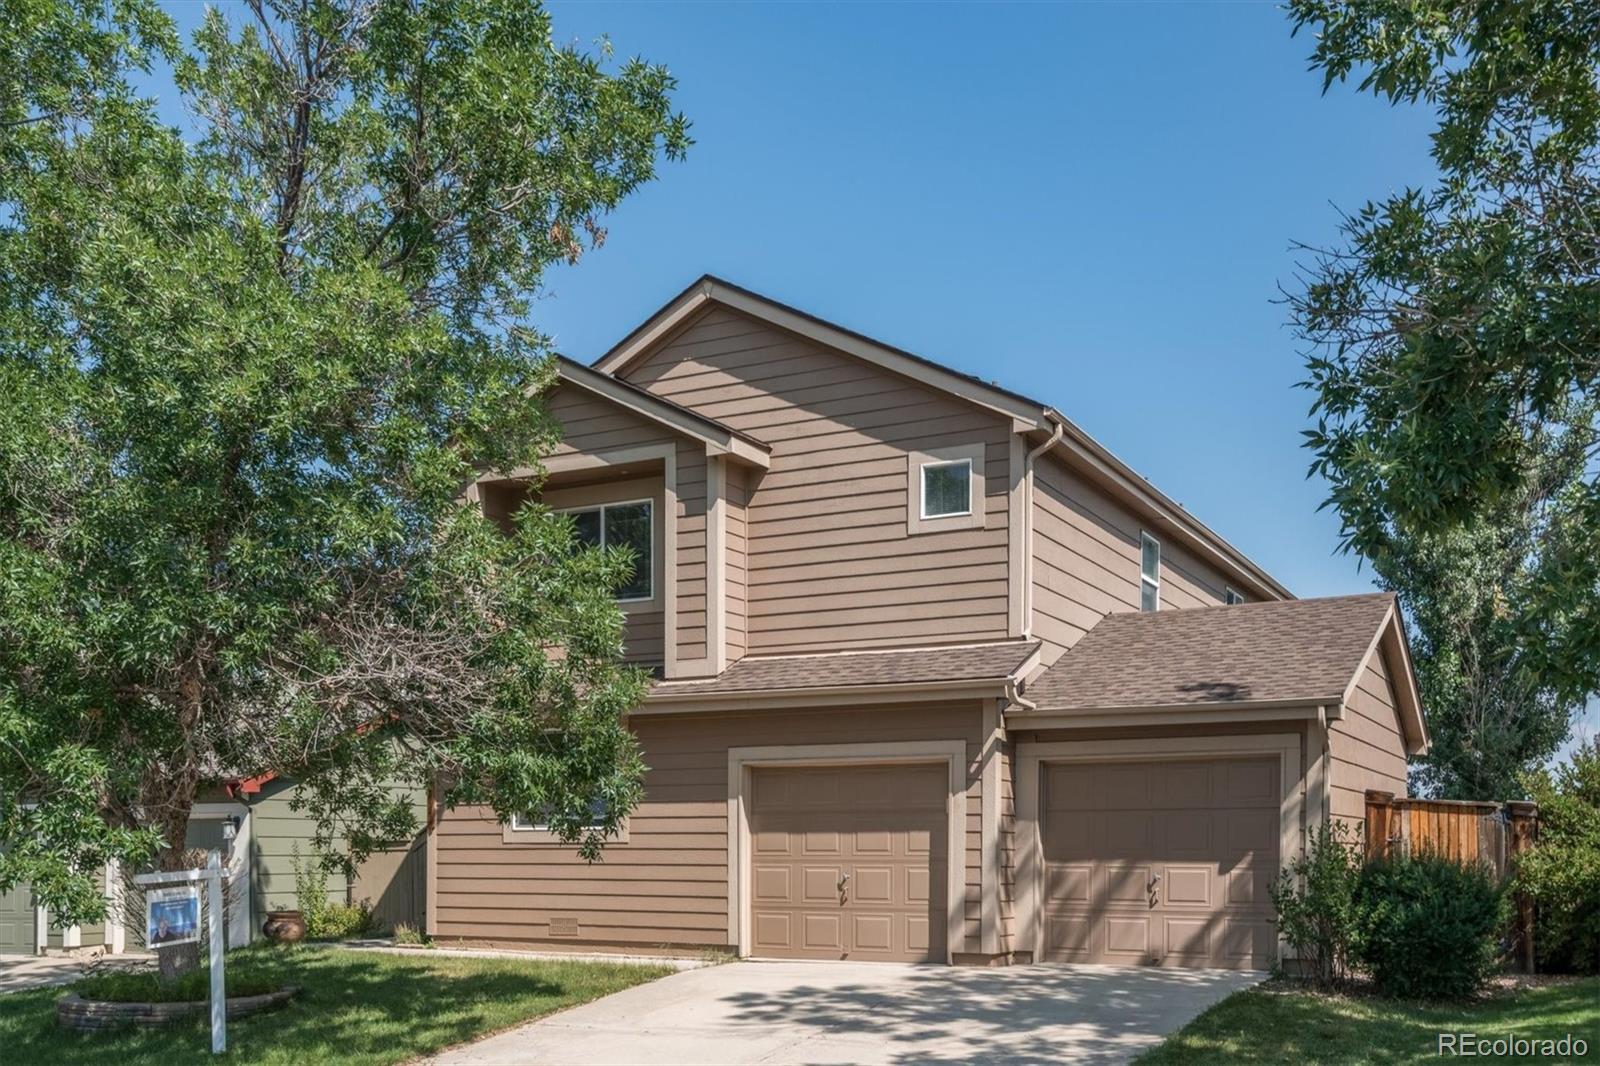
(1161, 863)
(1175, 761)
(18, 922)
(849, 862)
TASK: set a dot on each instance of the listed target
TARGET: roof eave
(669, 701)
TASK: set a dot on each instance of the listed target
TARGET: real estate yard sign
(172, 915)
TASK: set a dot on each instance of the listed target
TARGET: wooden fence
(1493, 834)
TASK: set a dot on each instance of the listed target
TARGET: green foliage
(241, 977)
(247, 374)
(407, 934)
(1314, 898)
(1426, 926)
(326, 919)
(1453, 347)
(1562, 871)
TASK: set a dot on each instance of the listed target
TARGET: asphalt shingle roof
(901, 666)
(1285, 651)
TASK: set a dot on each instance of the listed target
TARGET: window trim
(650, 514)
(1231, 596)
(975, 452)
(1144, 578)
(541, 835)
(922, 481)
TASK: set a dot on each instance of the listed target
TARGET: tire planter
(94, 1015)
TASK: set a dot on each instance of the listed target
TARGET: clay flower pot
(285, 927)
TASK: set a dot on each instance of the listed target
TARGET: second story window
(617, 525)
(1231, 595)
(1149, 573)
(947, 489)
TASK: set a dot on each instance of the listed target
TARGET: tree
(247, 376)
(1454, 350)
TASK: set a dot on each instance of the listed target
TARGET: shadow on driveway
(783, 1012)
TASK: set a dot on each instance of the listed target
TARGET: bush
(406, 933)
(326, 920)
(1314, 900)
(1562, 871)
(1426, 926)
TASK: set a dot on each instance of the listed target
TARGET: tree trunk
(175, 960)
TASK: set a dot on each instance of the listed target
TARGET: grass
(1274, 1023)
(355, 1007)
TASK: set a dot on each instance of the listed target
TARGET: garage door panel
(771, 883)
(884, 827)
(1208, 827)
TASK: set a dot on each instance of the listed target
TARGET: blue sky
(1091, 203)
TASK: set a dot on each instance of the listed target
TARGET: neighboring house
(267, 836)
(940, 677)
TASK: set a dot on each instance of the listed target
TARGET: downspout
(1027, 526)
(1014, 695)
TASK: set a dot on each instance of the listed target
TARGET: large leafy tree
(247, 372)
(1454, 349)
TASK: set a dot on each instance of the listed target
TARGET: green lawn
(355, 1007)
(1273, 1024)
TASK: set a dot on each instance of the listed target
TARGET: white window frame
(1146, 579)
(1231, 595)
(522, 829)
(922, 480)
(650, 514)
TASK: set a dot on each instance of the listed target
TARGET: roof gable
(1052, 430)
(718, 438)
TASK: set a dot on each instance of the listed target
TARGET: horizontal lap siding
(1087, 557)
(736, 570)
(691, 578)
(667, 885)
(828, 560)
(1365, 748)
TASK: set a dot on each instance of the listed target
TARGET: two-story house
(941, 678)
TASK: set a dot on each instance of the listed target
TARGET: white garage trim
(1031, 757)
(741, 761)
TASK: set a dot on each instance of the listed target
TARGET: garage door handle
(844, 879)
(1155, 879)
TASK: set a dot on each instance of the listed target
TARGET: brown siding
(830, 562)
(736, 570)
(691, 605)
(1086, 560)
(1365, 747)
(667, 884)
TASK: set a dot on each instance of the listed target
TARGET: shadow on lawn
(353, 1007)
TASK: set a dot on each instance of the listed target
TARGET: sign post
(171, 918)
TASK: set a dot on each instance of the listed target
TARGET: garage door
(1161, 863)
(17, 930)
(849, 863)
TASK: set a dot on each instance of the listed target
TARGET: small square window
(1149, 573)
(1232, 595)
(947, 489)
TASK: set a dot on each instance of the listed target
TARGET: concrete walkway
(38, 971)
(801, 1012)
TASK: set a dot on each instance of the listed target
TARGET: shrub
(1427, 926)
(1314, 900)
(326, 920)
(406, 933)
(1562, 871)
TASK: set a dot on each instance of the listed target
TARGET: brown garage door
(849, 863)
(1161, 863)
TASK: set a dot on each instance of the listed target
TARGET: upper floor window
(1149, 573)
(947, 488)
(1231, 595)
(627, 524)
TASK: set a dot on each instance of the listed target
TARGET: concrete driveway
(826, 1012)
